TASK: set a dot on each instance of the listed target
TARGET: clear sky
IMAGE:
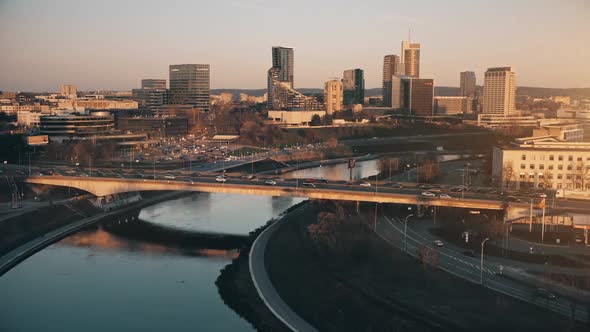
(112, 44)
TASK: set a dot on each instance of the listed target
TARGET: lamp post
(481, 262)
(406, 229)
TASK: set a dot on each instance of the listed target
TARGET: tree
(581, 175)
(507, 174)
(428, 171)
(388, 166)
(316, 120)
(332, 142)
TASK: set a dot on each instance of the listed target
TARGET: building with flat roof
(148, 98)
(571, 132)
(353, 85)
(417, 95)
(294, 118)
(467, 84)
(67, 127)
(499, 91)
(153, 83)
(68, 91)
(190, 85)
(155, 127)
(333, 96)
(392, 66)
(451, 105)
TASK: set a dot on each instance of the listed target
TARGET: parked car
(428, 194)
(438, 243)
(365, 184)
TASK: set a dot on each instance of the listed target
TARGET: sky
(113, 44)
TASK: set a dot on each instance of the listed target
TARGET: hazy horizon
(112, 45)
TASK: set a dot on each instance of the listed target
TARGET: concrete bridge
(102, 186)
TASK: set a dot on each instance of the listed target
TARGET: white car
(438, 243)
(428, 194)
(220, 179)
(270, 182)
(445, 196)
(365, 184)
(542, 195)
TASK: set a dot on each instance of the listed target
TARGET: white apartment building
(499, 91)
(542, 163)
(28, 118)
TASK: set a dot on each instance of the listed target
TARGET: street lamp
(406, 229)
(481, 262)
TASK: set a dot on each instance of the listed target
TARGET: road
(264, 286)
(452, 260)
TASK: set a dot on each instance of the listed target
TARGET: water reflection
(337, 172)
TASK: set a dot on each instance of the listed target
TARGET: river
(96, 280)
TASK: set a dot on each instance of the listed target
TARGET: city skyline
(118, 54)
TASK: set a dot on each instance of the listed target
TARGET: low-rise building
(294, 117)
(572, 132)
(451, 105)
(154, 127)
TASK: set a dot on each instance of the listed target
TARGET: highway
(452, 260)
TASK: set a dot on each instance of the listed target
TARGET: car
(457, 189)
(445, 196)
(514, 199)
(542, 292)
(365, 184)
(270, 182)
(579, 238)
(428, 194)
(309, 184)
(426, 186)
(397, 186)
(469, 253)
(438, 243)
(220, 179)
(169, 177)
(542, 195)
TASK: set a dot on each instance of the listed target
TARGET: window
(550, 167)
(578, 168)
(551, 157)
(523, 157)
(560, 158)
(532, 166)
(559, 176)
(569, 167)
(568, 176)
(550, 176)
(522, 166)
(570, 158)
(559, 186)
(579, 158)
(560, 167)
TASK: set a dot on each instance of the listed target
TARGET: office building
(148, 98)
(499, 91)
(68, 91)
(467, 84)
(153, 83)
(391, 67)
(190, 85)
(67, 127)
(417, 95)
(155, 127)
(411, 58)
(353, 84)
(333, 96)
(451, 105)
(294, 118)
(566, 132)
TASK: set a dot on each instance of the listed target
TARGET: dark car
(397, 186)
(542, 292)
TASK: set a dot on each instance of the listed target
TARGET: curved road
(264, 286)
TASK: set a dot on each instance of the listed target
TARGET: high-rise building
(281, 94)
(190, 85)
(333, 96)
(69, 91)
(417, 95)
(153, 83)
(353, 85)
(467, 84)
(282, 70)
(149, 98)
(499, 91)
(391, 67)
(411, 58)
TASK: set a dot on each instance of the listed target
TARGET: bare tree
(508, 174)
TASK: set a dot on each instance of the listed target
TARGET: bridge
(102, 186)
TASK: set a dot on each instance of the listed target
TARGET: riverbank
(345, 278)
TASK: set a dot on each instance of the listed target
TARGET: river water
(99, 280)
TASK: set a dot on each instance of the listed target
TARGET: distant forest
(579, 93)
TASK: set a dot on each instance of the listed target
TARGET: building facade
(467, 84)
(283, 58)
(155, 127)
(451, 105)
(417, 96)
(392, 66)
(68, 91)
(411, 58)
(294, 118)
(62, 127)
(190, 85)
(333, 96)
(153, 83)
(148, 98)
(543, 164)
(499, 91)
(353, 84)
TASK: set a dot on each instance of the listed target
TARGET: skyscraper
(282, 58)
(391, 66)
(467, 85)
(190, 85)
(417, 95)
(153, 83)
(411, 58)
(499, 91)
(333, 96)
(353, 85)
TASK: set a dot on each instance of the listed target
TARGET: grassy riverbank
(352, 280)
